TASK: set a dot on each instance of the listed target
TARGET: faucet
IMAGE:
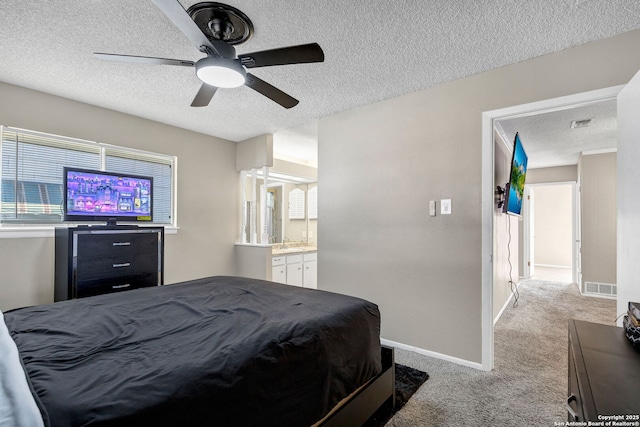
(284, 242)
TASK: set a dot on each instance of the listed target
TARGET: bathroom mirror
(280, 226)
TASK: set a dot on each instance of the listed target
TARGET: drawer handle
(126, 285)
(121, 243)
(571, 411)
(124, 264)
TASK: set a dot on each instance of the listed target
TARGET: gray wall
(208, 189)
(381, 164)
(506, 235)
(551, 175)
(598, 223)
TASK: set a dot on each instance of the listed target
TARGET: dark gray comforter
(219, 351)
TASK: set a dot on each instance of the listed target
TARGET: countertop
(292, 249)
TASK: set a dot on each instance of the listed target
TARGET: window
(31, 171)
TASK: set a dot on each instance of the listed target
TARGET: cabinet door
(279, 273)
(310, 274)
(294, 274)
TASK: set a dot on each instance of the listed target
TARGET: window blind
(32, 165)
(139, 163)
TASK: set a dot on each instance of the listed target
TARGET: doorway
(488, 197)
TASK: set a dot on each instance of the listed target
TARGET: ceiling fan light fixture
(221, 72)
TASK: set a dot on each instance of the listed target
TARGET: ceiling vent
(580, 123)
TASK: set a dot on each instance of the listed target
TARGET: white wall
(381, 164)
(628, 202)
(208, 192)
(553, 225)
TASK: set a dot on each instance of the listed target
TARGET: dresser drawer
(87, 288)
(121, 243)
(113, 266)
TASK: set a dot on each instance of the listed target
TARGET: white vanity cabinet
(310, 270)
(279, 269)
(294, 270)
(299, 269)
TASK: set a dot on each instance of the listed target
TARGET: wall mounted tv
(97, 196)
(514, 190)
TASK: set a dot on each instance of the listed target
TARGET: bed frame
(361, 405)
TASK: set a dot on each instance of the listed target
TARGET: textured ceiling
(374, 50)
(550, 141)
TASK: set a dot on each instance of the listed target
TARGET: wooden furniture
(103, 259)
(359, 407)
(604, 374)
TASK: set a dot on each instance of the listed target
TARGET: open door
(628, 224)
(528, 253)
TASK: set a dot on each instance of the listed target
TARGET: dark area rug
(408, 380)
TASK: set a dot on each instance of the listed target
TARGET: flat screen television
(98, 196)
(514, 191)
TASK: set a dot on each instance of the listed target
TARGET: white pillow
(18, 408)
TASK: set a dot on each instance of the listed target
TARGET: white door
(628, 224)
(529, 236)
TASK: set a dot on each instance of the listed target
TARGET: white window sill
(40, 231)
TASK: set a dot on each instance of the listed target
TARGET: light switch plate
(432, 208)
(445, 207)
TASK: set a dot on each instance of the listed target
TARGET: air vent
(580, 123)
(601, 289)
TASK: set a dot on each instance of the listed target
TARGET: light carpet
(528, 385)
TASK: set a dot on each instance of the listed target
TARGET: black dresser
(604, 374)
(103, 259)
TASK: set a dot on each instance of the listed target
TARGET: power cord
(512, 284)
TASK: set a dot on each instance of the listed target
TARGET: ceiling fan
(213, 28)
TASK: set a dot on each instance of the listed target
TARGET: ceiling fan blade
(270, 92)
(204, 95)
(142, 59)
(181, 19)
(304, 53)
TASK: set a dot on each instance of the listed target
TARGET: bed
(214, 351)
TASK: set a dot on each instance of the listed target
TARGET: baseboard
(433, 354)
(552, 266)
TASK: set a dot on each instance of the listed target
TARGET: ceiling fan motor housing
(222, 22)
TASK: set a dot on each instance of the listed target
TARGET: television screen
(515, 187)
(92, 195)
